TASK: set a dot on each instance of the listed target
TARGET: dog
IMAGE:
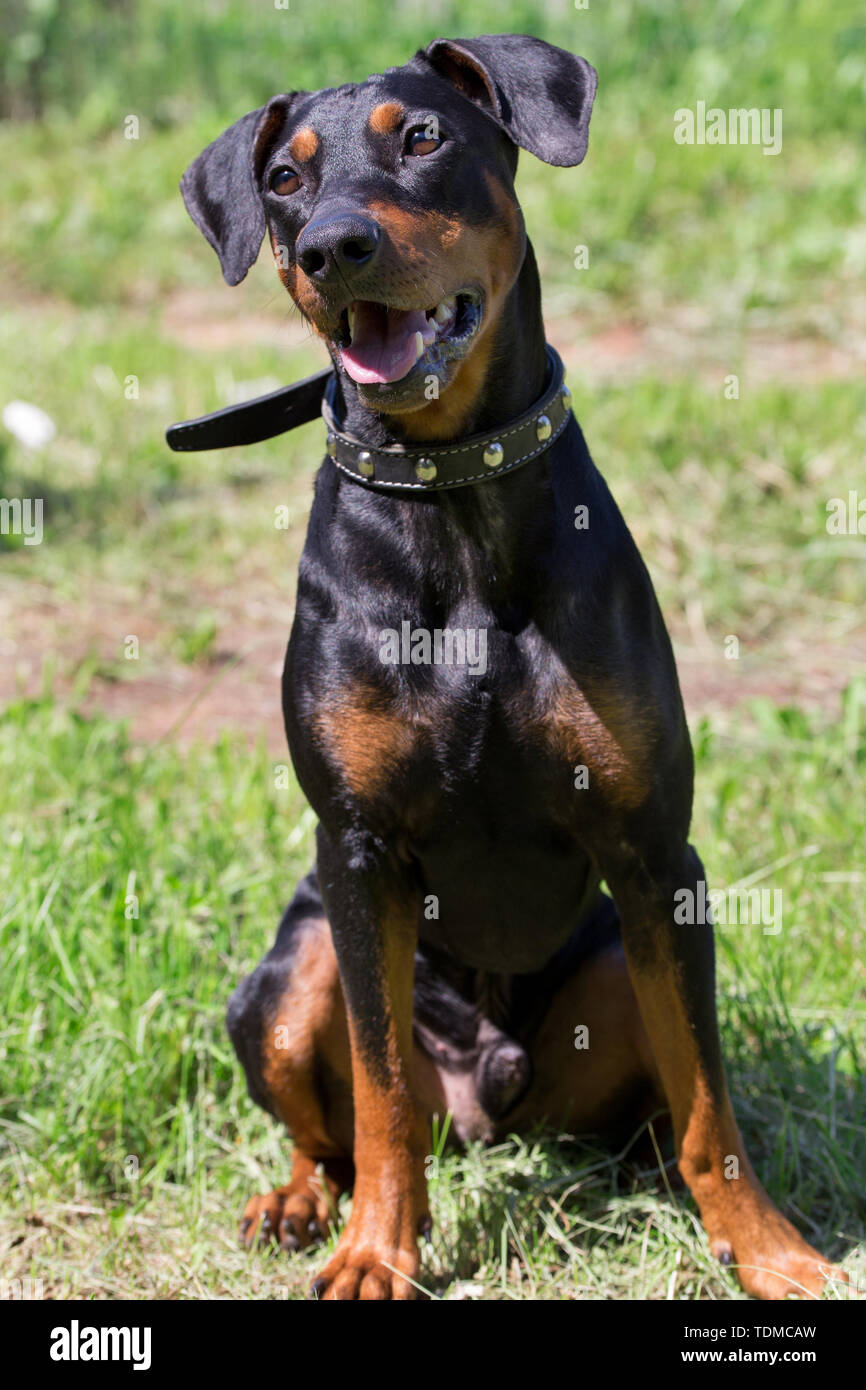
(480, 696)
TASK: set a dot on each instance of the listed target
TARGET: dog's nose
(340, 245)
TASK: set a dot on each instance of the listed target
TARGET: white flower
(30, 425)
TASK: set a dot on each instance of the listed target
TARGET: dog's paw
(368, 1274)
(291, 1217)
(376, 1258)
(773, 1261)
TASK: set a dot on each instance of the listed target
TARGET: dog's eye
(420, 142)
(284, 181)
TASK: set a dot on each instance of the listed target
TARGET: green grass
(740, 233)
(166, 61)
(96, 216)
(127, 1143)
(141, 884)
(727, 498)
(713, 250)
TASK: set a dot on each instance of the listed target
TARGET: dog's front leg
(671, 963)
(373, 911)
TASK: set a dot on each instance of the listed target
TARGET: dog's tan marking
(596, 730)
(280, 260)
(366, 740)
(303, 144)
(443, 253)
(742, 1224)
(306, 1021)
(386, 117)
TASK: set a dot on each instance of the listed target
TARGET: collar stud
(494, 454)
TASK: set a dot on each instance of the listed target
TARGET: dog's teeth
(351, 318)
(445, 310)
(419, 345)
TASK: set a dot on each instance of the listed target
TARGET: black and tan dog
(453, 935)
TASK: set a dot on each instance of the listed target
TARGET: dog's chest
(470, 723)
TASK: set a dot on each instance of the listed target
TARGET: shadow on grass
(576, 1218)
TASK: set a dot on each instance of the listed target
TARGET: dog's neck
(514, 377)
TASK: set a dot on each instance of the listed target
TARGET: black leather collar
(472, 460)
(252, 421)
(396, 468)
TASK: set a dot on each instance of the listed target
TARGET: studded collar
(476, 459)
(396, 468)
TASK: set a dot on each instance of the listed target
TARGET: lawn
(141, 884)
(145, 850)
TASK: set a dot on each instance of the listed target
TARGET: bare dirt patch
(76, 645)
(236, 689)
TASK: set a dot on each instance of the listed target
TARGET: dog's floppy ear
(221, 192)
(540, 95)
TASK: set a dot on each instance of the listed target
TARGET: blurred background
(147, 842)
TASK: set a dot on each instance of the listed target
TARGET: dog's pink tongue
(384, 346)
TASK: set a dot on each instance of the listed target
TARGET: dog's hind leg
(288, 1026)
(287, 1021)
(593, 1067)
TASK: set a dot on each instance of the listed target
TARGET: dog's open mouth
(380, 344)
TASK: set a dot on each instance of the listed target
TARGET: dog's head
(390, 204)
